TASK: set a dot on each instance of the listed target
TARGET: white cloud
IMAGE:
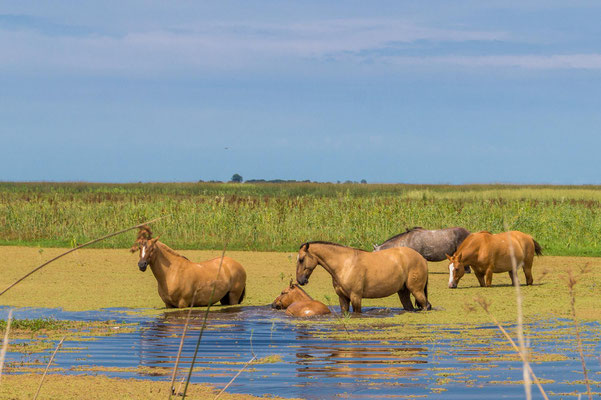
(554, 61)
(261, 46)
(215, 45)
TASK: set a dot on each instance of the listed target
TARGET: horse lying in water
(487, 254)
(433, 245)
(298, 303)
(181, 280)
(357, 273)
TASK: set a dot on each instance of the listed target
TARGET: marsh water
(320, 360)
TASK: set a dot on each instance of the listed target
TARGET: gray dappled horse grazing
(433, 245)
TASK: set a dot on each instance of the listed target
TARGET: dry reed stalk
(5, 342)
(48, 366)
(181, 346)
(235, 376)
(520, 322)
(571, 283)
(254, 357)
(204, 324)
(484, 304)
(80, 247)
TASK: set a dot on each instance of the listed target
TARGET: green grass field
(279, 217)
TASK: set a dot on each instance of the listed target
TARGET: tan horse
(487, 254)
(357, 273)
(298, 303)
(178, 278)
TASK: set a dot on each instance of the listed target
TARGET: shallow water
(311, 364)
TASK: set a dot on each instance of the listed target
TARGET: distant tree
(237, 178)
(363, 181)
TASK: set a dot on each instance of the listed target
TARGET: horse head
(285, 298)
(146, 245)
(305, 264)
(456, 269)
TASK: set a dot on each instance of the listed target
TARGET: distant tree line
(237, 178)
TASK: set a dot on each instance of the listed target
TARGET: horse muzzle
(142, 265)
(303, 281)
(452, 285)
(276, 305)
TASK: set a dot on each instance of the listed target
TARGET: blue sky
(387, 91)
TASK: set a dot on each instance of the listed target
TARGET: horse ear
(459, 257)
(153, 241)
(307, 246)
(448, 257)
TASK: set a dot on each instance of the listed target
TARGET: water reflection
(316, 361)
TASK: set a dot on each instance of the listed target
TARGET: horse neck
(327, 257)
(470, 246)
(162, 264)
(300, 294)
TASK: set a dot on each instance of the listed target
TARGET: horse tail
(537, 248)
(225, 300)
(242, 295)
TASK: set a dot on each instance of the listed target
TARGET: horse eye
(302, 259)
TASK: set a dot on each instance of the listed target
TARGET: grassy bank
(98, 278)
(101, 388)
(278, 217)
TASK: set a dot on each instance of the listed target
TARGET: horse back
(230, 269)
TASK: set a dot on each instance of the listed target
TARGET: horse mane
(485, 232)
(329, 243)
(144, 233)
(171, 251)
(415, 228)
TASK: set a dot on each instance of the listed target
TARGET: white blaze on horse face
(143, 252)
(451, 266)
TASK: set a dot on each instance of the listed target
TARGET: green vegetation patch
(279, 217)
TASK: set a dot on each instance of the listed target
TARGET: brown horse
(298, 303)
(179, 278)
(357, 273)
(487, 254)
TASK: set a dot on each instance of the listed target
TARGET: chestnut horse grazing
(357, 273)
(487, 254)
(179, 278)
(298, 303)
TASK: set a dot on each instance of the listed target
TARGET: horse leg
(480, 277)
(356, 302)
(419, 292)
(344, 303)
(528, 272)
(405, 299)
(488, 277)
(511, 276)
(234, 297)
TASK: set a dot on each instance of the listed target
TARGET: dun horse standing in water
(487, 254)
(433, 245)
(298, 303)
(357, 273)
(179, 278)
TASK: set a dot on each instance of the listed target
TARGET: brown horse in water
(487, 254)
(179, 278)
(298, 303)
(357, 273)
